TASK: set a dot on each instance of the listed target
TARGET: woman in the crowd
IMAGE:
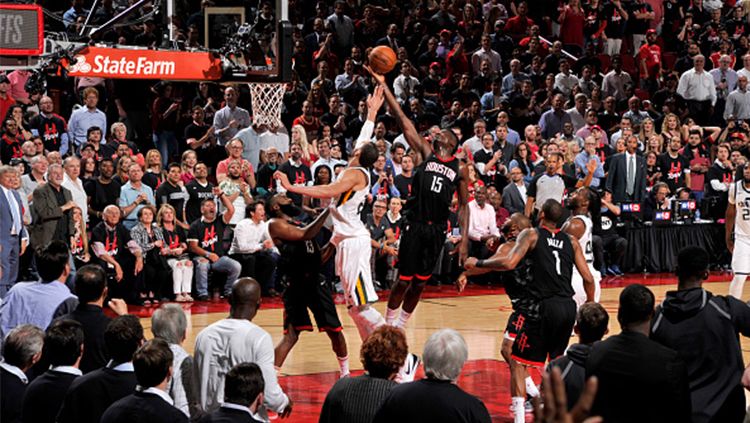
(655, 144)
(150, 238)
(237, 191)
(79, 244)
(522, 160)
(175, 251)
(357, 399)
(154, 174)
(309, 151)
(648, 131)
(188, 162)
(322, 177)
(569, 167)
(121, 173)
(16, 113)
(653, 171)
(88, 168)
(670, 128)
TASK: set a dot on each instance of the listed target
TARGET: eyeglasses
(378, 207)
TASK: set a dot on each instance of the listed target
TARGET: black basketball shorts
(315, 295)
(419, 249)
(545, 338)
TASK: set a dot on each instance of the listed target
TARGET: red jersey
(652, 55)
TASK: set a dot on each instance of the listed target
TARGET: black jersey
(551, 263)
(516, 283)
(301, 259)
(435, 182)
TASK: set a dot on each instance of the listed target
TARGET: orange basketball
(382, 59)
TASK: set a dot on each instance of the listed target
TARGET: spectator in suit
(436, 396)
(357, 399)
(659, 384)
(39, 302)
(150, 403)
(170, 324)
(13, 235)
(50, 210)
(514, 194)
(22, 348)
(92, 292)
(63, 347)
(627, 174)
(234, 340)
(704, 329)
(90, 395)
(243, 396)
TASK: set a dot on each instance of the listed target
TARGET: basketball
(382, 59)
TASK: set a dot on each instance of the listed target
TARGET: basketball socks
(390, 315)
(531, 387)
(736, 286)
(519, 409)
(367, 319)
(402, 319)
(343, 365)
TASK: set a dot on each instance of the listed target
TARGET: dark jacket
(617, 178)
(704, 330)
(355, 399)
(143, 407)
(45, 395)
(572, 366)
(640, 381)
(227, 415)
(94, 322)
(12, 390)
(90, 395)
(512, 199)
(45, 212)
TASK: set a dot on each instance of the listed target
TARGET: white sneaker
(409, 369)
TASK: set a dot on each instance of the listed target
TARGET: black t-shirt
(615, 21)
(101, 195)
(196, 194)
(377, 231)
(592, 16)
(721, 174)
(174, 238)
(673, 170)
(403, 185)
(175, 196)
(152, 179)
(209, 235)
(298, 175)
(115, 241)
(635, 25)
(50, 128)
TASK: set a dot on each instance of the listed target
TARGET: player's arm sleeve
(365, 134)
(275, 398)
(732, 193)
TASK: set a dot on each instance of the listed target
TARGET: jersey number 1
(437, 184)
(557, 261)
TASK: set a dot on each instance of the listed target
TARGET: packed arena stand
(165, 186)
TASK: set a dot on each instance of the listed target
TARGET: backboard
(255, 44)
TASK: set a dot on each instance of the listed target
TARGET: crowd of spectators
(645, 101)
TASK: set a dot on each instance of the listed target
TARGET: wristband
(207, 255)
(480, 263)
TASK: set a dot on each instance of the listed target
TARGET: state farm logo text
(140, 66)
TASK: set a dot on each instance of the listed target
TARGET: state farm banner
(145, 64)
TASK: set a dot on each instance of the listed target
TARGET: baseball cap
(738, 135)
(435, 65)
(445, 32)
(596, 127)
(651, 31)
(4, 79)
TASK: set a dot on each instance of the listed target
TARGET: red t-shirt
(652, 55)
(5, 104)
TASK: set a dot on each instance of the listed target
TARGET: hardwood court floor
(479, 315)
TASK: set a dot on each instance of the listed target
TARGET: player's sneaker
(408, 370)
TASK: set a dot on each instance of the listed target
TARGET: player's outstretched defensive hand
(380, 79)
(375, 100)
(281, 177)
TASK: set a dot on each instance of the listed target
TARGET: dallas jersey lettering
(551, 264)
(739, 195)
(432, 190)
(346, 211)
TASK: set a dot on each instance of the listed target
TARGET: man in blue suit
(13, 235)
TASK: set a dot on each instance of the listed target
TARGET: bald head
(245, 298)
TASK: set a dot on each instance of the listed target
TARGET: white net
(267, 100)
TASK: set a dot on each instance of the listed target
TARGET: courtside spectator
(243, 396)
(22, 348)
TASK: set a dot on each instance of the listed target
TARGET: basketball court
(478, 314)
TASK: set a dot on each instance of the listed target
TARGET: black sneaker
(203, 297)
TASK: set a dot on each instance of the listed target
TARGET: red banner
(146, 64)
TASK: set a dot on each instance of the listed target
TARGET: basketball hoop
(267, 100)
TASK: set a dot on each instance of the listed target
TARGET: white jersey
(346, 210)
(585, 241)
(740, 197)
